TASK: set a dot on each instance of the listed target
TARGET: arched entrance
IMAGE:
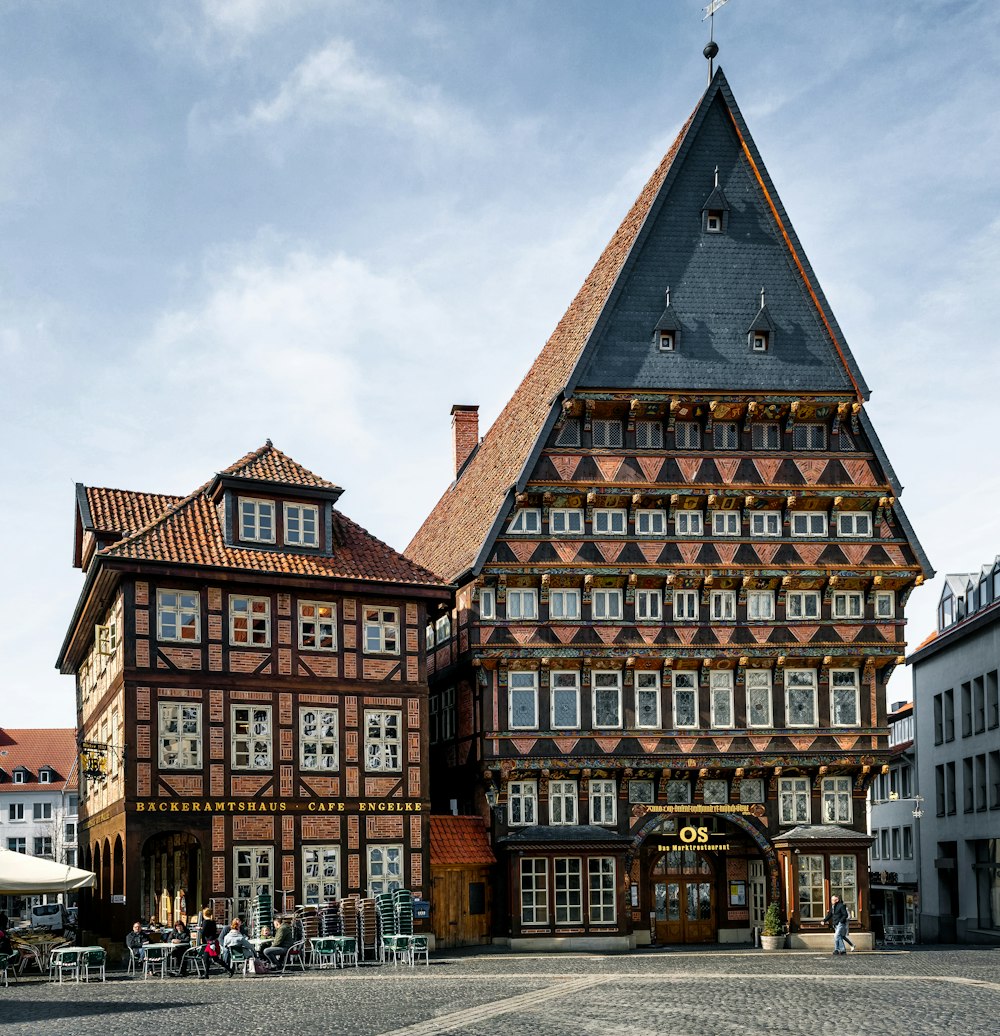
(683, 885)
(171, 877)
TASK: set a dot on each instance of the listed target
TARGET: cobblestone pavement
(701, 993)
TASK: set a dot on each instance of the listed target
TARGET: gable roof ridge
(112, 550)
(242, 468)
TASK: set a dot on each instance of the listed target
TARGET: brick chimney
(464, 432)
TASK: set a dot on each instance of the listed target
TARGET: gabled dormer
(266, 501)
(21, 775)
(666, 334)
(761, 333)
(46, 775)
(715, 211)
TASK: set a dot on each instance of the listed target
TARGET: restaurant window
(800, 697)
(602, 884)
(647, 699)
(845, 698)
(844, 881)
(534, 891)
(320, 874)
(383, 741)
(565, 700)
(179, 736)
(812, 901)
(523, 700)
(607, 699)
(252, 737)
(318, 739)
(758, 697)
(685, 700)
(254, 876)
(568, 889)
(385, 869)
(721, 689)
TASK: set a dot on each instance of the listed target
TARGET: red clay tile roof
(124, 511)
(189, 533)
(930, 636)
(456, 840)
(269, 464)
(454, 532)
(34, 748)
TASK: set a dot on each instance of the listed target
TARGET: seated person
(135, 940)
(180, 939)
(235, 939)
(283, 939)
(6, 947)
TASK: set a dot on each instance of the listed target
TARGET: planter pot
(772, 942)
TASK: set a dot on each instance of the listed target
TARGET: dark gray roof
(715, 281)
(716, 201)
(823, 833)
(668, 319)
(542, 834)
(762, 321)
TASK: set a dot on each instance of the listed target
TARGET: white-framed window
(647, 699)
(602, 884)
(685, 605)
(564, 603)
(760, 605)
(43, 845)
(687, 435)
(800, 698)
(301, 525)
(319, 738)
(848, 604)
(885, 604)
(566, 520)
(178, 615)
(607, 699)
(854, 523)
(19, 777)
(809, 437)
(607, 433)
(812, 902)
(45, 776)
(765, 435)
(802, 604)
(726, 435)
(650, 521)
(522, 803)
(256, 520)
(808, 523)
(487, 603)
(845, 698)
(179, 736)
(685, 699)
(689, 523)
(648, 434)
(250, 621)
(15, 811)
(563, 797)
(534, 890)
(759, 341)
(385, 869)
(793, 800)
(320, 874)
(17, 845)
(721, 690)
(668, 340)
(381, 631)
(606, 604)
(522, 603)
(522, 694)
(383, 741)
(765, 523)
(442, 628)
(837, 802)
(610, 521)
(715, 792)
(525, 521)
(568, 889)
(603, 802)
(564, 699)
(41, 811)
(758, 683)
(429, 634)
(725, 523)
(844, 881)
(569, 433)
(317, 626)
(648, 605)
(252, 737)
(723, 605)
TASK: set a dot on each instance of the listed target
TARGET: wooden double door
(682, 885)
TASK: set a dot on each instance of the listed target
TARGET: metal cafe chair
(92, 960)
(295, 957)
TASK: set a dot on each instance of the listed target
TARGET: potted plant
(772, 935)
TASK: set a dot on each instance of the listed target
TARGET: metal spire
(712, 48)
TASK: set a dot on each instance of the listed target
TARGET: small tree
(772, 921)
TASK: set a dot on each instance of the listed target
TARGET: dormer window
(665, 333)
(45, 776)
(20, 776)
(715, 210)
(256, 520)
(301, 525)
(713, 221)
(668, 341)
(760, 334)
(758, 341)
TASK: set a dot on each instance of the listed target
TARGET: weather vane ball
(711, 49)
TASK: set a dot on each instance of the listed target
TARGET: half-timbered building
(251, 697)
(681, 566)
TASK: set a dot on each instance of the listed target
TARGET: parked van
(51, 916)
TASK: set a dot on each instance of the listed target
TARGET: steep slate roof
(189, 533)
(460, 840)
(605, 338)
(33, 748)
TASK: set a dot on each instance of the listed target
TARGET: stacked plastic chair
(368, 940)
(262, 914)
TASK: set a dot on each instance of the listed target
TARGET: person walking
(839, 919)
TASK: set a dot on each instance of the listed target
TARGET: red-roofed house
(252, 687)
(461, 880)
(38, 798)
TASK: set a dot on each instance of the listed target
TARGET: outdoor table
(154, 958)
(39, 948)
(58, 952)
(259, 945)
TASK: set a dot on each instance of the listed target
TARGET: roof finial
(761, 298)
(267, 442)
(711, 48)
(668, 294)
(716, 176)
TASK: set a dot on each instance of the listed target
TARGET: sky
(324, 222)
